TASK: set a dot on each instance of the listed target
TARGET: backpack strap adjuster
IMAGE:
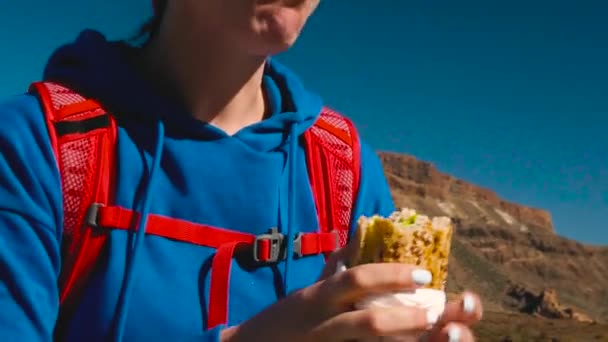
(268, 248)
(91, 217)
(297, 246)
(271, 248)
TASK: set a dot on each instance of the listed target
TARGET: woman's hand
(325, 310)
(458, 316)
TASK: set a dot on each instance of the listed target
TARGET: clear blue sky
(511, 95)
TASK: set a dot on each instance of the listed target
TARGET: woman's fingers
(339, 257)
(453, 332)
(374, 322)
(354, 284)
(467, 310)
(335, 260)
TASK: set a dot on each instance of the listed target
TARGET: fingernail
(340, 267)
(422, 277)
(454, 334)
(468, 304)
(431, 317)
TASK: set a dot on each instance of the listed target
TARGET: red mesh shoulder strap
(83, 136)
(334, 167)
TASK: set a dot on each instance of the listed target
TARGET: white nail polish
(431, 317)
(340, 267)
(422, 277)
(468, 304)
(454, 334)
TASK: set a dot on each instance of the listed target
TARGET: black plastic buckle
(276, 246)
(91, 217)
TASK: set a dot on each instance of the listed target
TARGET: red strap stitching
(339, 133)
(77, 108)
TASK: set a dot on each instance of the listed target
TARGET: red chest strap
(266, 248)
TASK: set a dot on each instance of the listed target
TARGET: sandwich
(406, 237)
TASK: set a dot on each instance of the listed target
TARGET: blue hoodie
(168, 164)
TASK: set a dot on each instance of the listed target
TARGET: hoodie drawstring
(144, 208)
(291, 203)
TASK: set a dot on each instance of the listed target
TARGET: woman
(223, 117)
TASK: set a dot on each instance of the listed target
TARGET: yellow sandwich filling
(406, 237)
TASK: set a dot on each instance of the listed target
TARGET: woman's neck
(218, 84)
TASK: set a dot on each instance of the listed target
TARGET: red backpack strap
(83, 137)
(334, 167)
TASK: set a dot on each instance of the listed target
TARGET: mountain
(508, 253)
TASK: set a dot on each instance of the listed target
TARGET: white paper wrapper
(429, 299)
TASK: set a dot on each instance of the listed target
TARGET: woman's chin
(279, 28)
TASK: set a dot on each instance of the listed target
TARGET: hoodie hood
(104, 70)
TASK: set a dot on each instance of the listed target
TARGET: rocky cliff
(500, 246)
(419, 182)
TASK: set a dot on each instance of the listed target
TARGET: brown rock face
(498, 243)
(458, 198)
(544, 304)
